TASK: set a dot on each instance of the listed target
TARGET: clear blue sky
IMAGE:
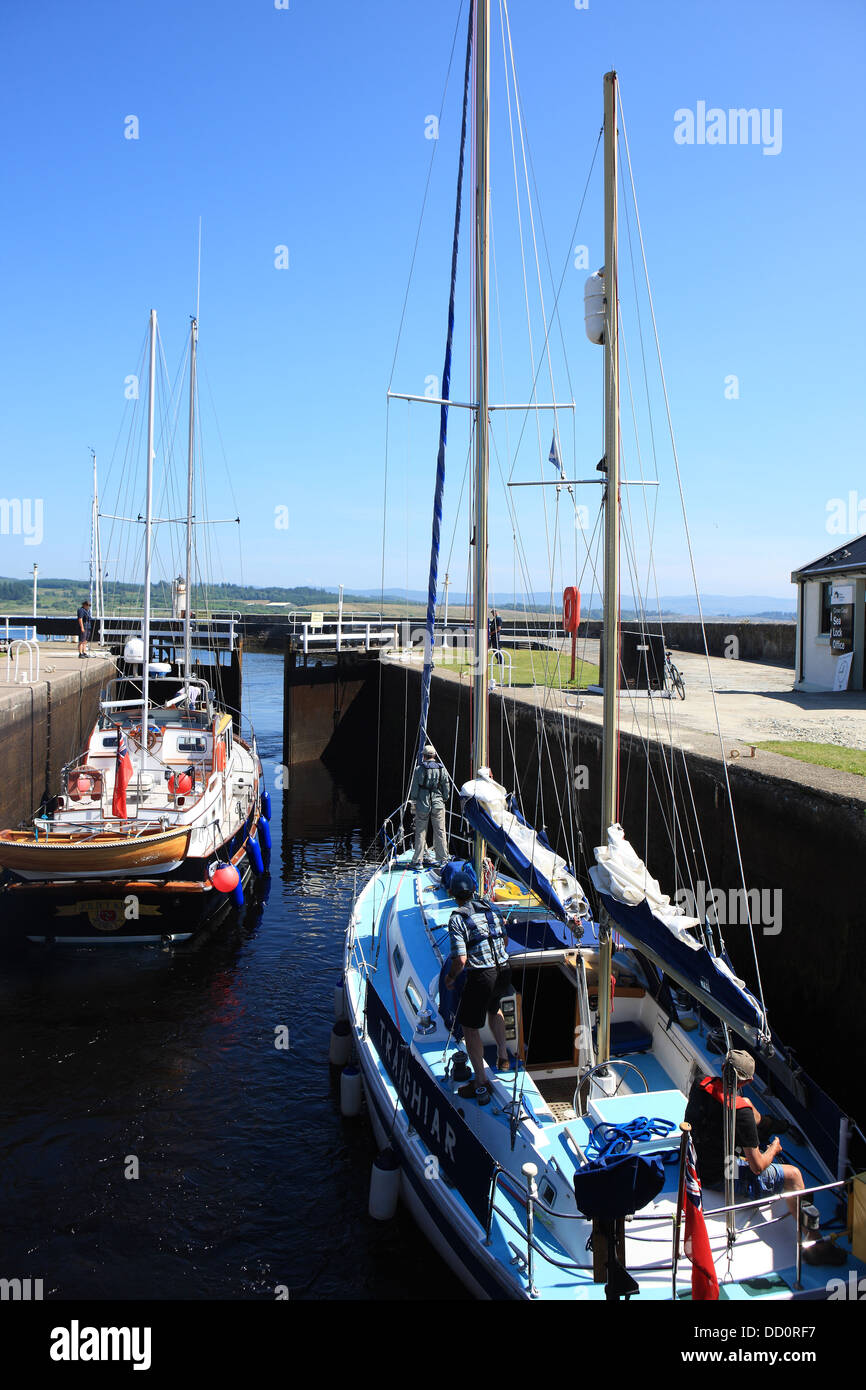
(306, 127)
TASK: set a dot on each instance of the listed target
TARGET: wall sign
(842, 618)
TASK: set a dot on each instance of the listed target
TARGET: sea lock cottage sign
(842, 618)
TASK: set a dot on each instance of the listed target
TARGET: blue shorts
(766, 1184)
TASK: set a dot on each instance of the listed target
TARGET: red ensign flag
(122, 774)
(705, 1285)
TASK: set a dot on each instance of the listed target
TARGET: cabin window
(191, 745)
(228, 741)
(826, 591)
(109, 740)
(413, 997)
(397, 958)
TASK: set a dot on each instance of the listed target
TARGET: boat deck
(410, 914)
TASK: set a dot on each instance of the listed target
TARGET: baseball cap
(743, 1064)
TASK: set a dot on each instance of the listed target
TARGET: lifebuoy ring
(220, 755)
(571, 609)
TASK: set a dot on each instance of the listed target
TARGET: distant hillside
(65, 595)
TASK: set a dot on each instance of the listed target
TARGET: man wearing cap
(478, 945)
(431, 787)
(758, 1172)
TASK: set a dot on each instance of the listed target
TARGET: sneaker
(481, 1094)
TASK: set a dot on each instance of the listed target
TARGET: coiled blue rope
(613, 1141)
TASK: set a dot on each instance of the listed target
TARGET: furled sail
(648, 918)
(492, 812)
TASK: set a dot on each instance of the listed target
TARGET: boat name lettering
(462, 1157)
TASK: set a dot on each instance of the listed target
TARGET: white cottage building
(831, 619)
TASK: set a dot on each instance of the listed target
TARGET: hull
(413, 1106)
(101, 856)
(122, 912)
(131, 909)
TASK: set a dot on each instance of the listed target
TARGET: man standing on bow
(428, 794)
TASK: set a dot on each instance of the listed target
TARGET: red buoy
(225, 878)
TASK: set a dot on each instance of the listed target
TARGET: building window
(826, 591)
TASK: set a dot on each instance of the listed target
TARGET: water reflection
(133, 1060)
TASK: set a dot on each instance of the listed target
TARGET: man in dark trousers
(84, 625)
(478, 945)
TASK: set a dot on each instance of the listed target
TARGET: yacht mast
(94, 515)
(482, 424)
(611, 639)
(148, 519)
(187, 645)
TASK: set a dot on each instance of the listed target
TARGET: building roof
(850, 555)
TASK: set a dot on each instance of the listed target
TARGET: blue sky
(305, 127)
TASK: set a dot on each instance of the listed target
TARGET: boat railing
(769, 1201)
(395, 835)
(531, 1201)
(130, 828)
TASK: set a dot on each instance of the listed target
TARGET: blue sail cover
(697, 970)
(523, 868)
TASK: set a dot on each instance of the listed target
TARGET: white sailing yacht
(522, 1195)
(164, 817)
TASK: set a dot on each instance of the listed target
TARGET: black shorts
(482, 994)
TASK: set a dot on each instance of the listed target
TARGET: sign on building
(842, 618)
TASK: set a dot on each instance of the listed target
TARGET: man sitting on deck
(757, 1171)
(478, 944)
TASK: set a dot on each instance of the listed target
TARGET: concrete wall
(316, 700)
(42, 727)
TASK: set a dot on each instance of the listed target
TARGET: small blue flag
(553, 456)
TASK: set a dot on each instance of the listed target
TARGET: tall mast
(482, 466)
(610, 746)
(100, 596)
(187, 645)
(148, 519)
(94, 513)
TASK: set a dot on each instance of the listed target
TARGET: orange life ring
(571, 609)
(220, 755)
